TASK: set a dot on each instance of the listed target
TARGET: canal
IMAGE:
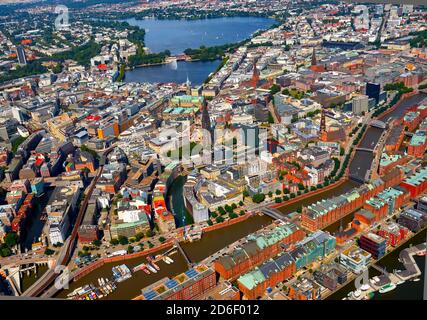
(27, 280)
(343, 188)
(407, 291)
(196, 251)
(400, 111)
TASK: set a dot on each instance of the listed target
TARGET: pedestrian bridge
(378, 124)
(273, 213)
(365, 149)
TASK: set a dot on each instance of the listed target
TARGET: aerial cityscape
(213, 150)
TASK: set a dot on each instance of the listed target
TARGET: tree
(278, 200)
(123, 240)
(130, 249)
(221, 210)
(49, 252)
(278, 192)
(162, 239)
(5, 251)
(258, 198)
(214, 215)
(241, 203)
(210, 222)
(219, 219)
(114, 242)
(233, 215)
(242, 212)
(11, 239)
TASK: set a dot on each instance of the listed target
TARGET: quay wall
(227, 222)
(99, 263)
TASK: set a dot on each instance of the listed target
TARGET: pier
(407, 258)
(187, 260)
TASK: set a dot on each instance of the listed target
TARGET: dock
(187, 260)
(407, 258)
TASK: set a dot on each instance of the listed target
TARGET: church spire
(313, 58)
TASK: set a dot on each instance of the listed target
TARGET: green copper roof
(252, 279)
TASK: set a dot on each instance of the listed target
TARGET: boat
(169, 259)
(121, 273)
(151, 268)
(357, 293)
(155, 265)
(376, 279)
(400, 282)
(166, 260)
(365, 287)
(99, 282)
(387, 288)
(416, 279)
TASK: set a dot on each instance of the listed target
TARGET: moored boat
(387, 288)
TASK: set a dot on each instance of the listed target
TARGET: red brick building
(255, 283)
(256, 251)
(185, 286)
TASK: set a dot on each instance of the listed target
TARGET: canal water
(343, 188)
(196, 251)
(214, 241)
(400, 111)
(28, 280)
(178, 35)
(407, 291)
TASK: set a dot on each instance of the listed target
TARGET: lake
(177, 72)
(178, 35)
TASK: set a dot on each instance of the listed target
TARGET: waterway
(196, 251)
(178, 35)
(181, 214)
(28, 280)
(400, 111)
(407, 291)
(177, 72)
(343, 188)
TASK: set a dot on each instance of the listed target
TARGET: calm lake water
(177, 72)
(178, 35)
